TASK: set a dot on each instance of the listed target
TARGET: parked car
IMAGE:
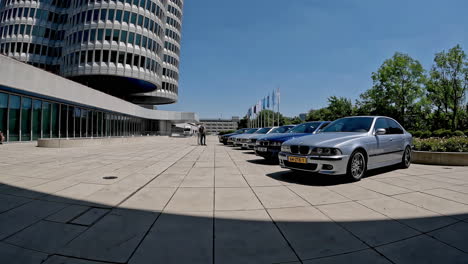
(235, 140)
(241, 141)
(249, 141)
(350, 146)
(269, 146)
(224, 138)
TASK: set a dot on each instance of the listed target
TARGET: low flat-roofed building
(216, 125)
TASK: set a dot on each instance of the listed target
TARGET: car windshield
(282, 129)
(305, 128)
(251, 131)
(350, 124)
(240, 131)
(263, 130)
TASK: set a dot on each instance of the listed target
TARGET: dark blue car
(224, 138)
(269, 146)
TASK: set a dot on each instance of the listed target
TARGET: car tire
(406, 159)
(357, 165)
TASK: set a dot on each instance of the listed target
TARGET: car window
(251, 131)
(282, 129)
(382, 123)
(350, 124)
(305, 128)
(394, 127)
(324, 125)
(263, 130)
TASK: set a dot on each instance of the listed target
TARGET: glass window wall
(14, 117)
(26, 119)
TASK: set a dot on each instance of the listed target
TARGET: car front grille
(264, 143)
(308, 166)
(253, 140)
(303, 150)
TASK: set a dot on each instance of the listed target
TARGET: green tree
(243, 123)
(397, 85)
(338, 107)
(448, 82)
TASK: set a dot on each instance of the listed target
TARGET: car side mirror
(380, 131)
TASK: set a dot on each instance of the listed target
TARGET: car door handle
(391, 139)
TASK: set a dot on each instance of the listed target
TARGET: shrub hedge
(226, 132)
(439, 133)
(453, 144)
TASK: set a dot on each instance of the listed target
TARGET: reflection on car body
(269, 146)
(350, 146)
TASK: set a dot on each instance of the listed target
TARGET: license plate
(297, 160)
(262, 149)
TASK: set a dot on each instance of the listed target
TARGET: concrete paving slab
(236, 199)
(261, 180)
(68, 213)
(359, 257)
(235, 242)
(354, 192)
(111, 195)
(8, 202)
(312, 234)
(90, 217)
(192, 200)
(449, 195)
(317, 195)
(149, 199)
(46, 236)
(16, 255)
(436, 204)
(65, 260)
(411, 215)
(167, 180)
(422, 249)
(454, 235)
(368, 225)
(23, 216)
(178, 238)
(381, 187)
(278, 197)
(113, 238)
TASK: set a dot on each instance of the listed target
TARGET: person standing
(2, 138)
(202, 134)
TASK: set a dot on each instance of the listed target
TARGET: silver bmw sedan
(351, 146)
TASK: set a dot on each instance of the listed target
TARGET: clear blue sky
(234, 52)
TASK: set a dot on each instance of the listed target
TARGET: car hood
(231, 134)
(326, 139)
(284, 137)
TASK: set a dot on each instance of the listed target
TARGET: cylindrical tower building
(127, 48)
(171, 56)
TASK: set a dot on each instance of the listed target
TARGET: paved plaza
(167, 200)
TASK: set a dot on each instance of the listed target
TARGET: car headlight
(286, 148)
(275, 144)
(326, 151)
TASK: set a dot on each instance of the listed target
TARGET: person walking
(202, 134)
(2, 138)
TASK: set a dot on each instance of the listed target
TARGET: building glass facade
(28, 118)
(131, 46)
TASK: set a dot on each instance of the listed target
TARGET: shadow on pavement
(37, 227)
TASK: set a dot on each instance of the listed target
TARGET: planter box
(86, 142)
(440, 158)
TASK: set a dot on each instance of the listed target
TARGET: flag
(255, 109)
(278, 95)
(268, 102)
(273, 98)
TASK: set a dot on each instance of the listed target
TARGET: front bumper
(270, 153)
(248, 145)
(333, 165)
